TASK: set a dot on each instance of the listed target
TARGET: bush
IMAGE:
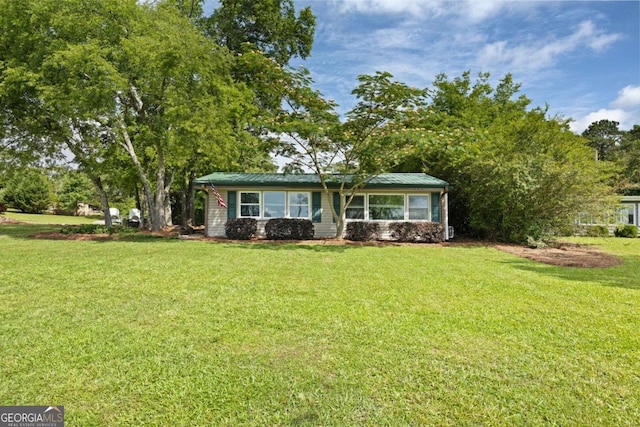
(626, 231)
(362, 231)
(241, 228)
(86, 229)
(597, 231)
(3, 208)
(97, 229)
(288, 229)
(429, 232)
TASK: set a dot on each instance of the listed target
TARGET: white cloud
(472, 10)
(628, 97)
(543, 53)
(618, 115)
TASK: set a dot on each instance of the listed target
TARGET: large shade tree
(96, 76)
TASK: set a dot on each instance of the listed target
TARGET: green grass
(48, 219)
(192, 333)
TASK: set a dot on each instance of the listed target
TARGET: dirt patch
(565, 255)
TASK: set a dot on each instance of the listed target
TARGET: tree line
(143, 97)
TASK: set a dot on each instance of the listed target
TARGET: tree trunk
(191, 197)
(155, 201)
(104, 200)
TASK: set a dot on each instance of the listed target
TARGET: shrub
(97, 229)
(597, 231)
(288, 229)
(627, 230)
(86, 229)
(429, 232)
(362, 231)
(3, 208)
(241, 228)
(29, 191)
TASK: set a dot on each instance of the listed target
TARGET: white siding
(326, 228)
(216, 216)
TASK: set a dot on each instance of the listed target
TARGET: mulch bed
(565, 255)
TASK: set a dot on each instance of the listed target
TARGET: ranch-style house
(385, 198)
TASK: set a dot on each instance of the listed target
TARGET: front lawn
(190, 333)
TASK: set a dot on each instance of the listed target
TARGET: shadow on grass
(620, 276)
(288, 246)
(39, 232)
(23, 231)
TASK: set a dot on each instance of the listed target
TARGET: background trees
(143, 97)
(106, 78)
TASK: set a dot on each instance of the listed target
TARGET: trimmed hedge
(429, 232)
(289, 229)
(597, 231)
(362, 231)
(241, 228)
(626, 231)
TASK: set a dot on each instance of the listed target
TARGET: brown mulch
(565, 255)
(562, 254)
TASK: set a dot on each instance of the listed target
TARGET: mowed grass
(48, 219)
(192, 333)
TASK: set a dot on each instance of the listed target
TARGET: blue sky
(582, 58)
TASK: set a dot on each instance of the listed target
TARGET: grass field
(165, 332)
(48, 219)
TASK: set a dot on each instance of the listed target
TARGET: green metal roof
(385, 180)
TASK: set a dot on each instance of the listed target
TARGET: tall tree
(603, 136)
(627, 155)
(270, 26)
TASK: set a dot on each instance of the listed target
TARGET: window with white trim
(388, 207)
(274, 204)
(299, 204)
(626, 215)
(250, 204)
(418, 206)
(355, 210)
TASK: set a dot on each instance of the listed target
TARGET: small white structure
(135, 218)
(114, 213)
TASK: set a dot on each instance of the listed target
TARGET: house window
(274, 204)
(386, 207)
(355, 210)
(418, 207)
(250, 204)
(299, 205)
(627, 215)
